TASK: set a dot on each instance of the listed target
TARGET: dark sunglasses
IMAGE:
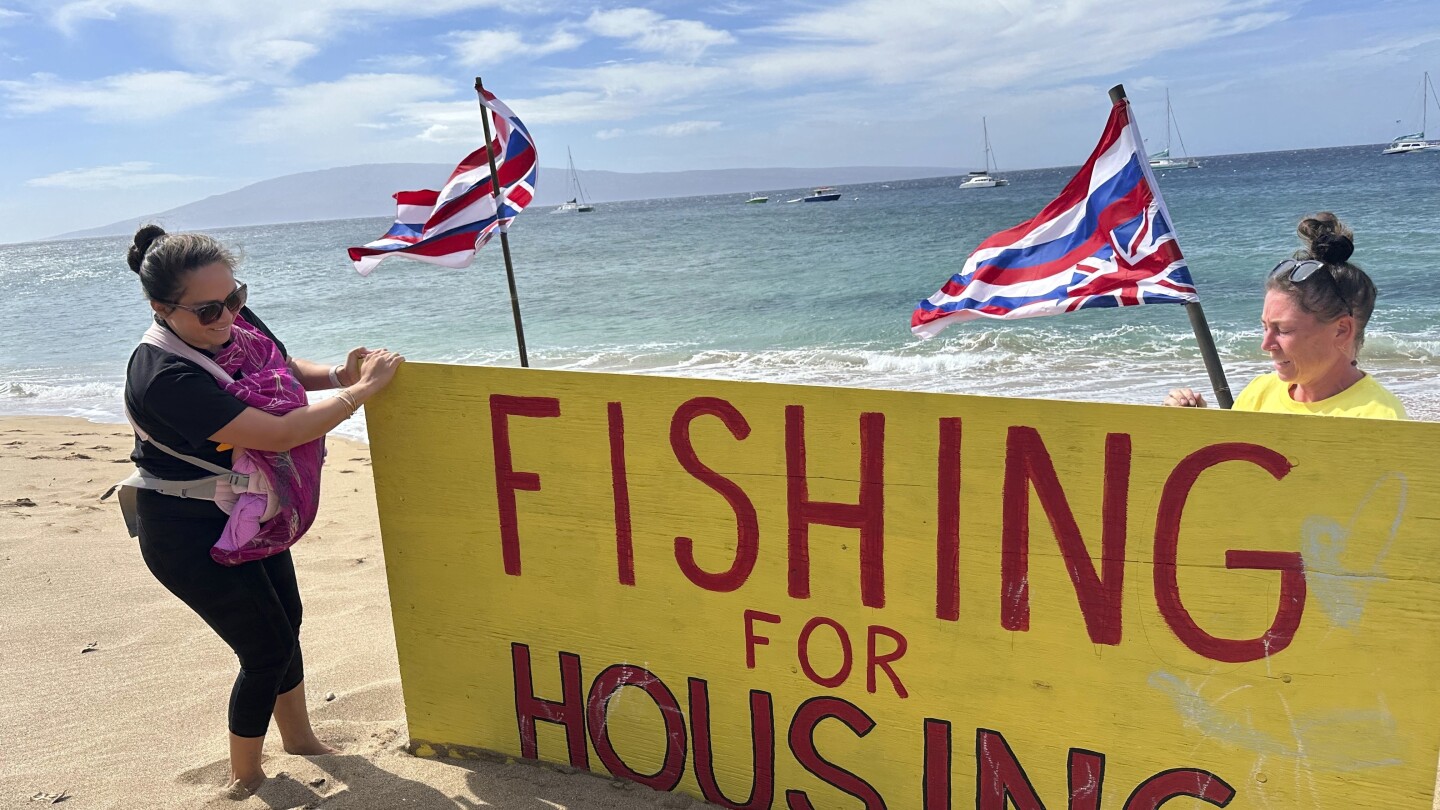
(210, 311)
(1300, 270)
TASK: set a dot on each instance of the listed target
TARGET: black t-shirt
(181, 405)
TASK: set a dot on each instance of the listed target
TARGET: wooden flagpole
(1201, 327)
(504, 239)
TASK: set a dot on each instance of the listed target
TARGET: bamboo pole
(504, 238)
(1203, 336)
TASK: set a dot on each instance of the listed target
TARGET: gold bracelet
(349, 399)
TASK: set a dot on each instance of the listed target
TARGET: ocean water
(814, 293)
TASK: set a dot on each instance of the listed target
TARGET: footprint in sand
(280, 790)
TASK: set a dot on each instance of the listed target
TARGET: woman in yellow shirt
(1316, 308)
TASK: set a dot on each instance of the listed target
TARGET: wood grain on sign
(772, 595)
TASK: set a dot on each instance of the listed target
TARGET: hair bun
(144, 238)
(1332, 248)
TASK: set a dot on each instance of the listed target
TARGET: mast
(570, 164)
(985, 128)
(575, 178)
(1169, 117)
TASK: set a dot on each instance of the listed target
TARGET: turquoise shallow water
(805, 293)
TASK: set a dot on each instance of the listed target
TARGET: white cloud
(573, 107)
(733, 9)
(132, 174)
(365, 118)
(140, 96)
(992, 44)
(646, 30)
(485, 48)
(610, 134)
(442, 122)
(395, 63)
(682, 129)
(263, 39)
(10, 16)
(885, 53)
(69, 15)
(624, 90)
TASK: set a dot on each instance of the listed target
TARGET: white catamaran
(577, 194)
(987, 178)
(1162, 159)
(1416, 142)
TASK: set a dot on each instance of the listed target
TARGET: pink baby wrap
(284, 495)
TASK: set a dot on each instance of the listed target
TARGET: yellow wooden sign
(784, 596)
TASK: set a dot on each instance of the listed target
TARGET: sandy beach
(113, 694)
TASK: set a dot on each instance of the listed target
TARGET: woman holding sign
(1317, 305)
(215, 522)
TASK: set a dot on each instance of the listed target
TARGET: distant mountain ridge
(365, 191)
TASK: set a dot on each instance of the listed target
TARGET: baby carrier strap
(203, 488)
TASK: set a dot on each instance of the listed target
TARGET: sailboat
(987, 178)
(1415, 142)
(577, 200)
(1162, 159)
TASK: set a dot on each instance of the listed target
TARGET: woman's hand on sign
(350, 372)
(1184, 398)
(377, 368)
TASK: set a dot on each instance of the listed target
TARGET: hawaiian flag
(1106, 241)
(446, 227)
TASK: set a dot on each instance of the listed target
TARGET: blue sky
(117, 108)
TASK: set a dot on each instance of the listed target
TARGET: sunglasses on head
(209, 312)
(1301, 270)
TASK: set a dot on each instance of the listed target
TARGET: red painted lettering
(1191, 782)
(620, 487)
(762, 754)
(947, 522)
(1028, 463)
(607, 684)
(1167, 540)
(999, 778)
(847, 658)
(867, 515)
(876, 661)
(802, 745)
(568, 712)
(1086, 779)
(507, 478)
(747, 524)
(751, 639)
(935, 782)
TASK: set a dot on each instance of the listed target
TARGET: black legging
(254, 607)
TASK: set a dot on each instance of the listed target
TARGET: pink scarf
(293, 475)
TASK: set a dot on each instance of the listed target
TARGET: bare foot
(309, 748)
(242, 789)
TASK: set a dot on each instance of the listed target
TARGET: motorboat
(822, 194)
(1416, 141)
(986, 178)
(1163, 159)
(756, 198)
